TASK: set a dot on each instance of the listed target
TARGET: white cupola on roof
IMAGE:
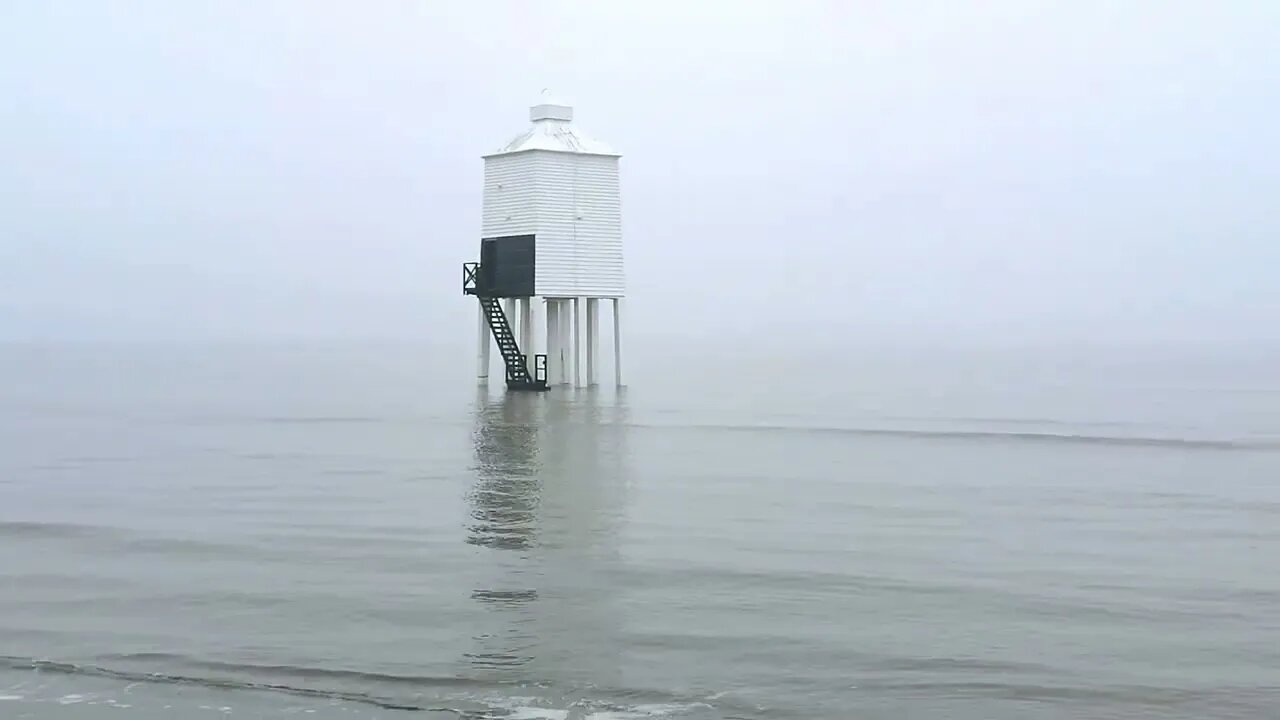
(553, 130)
(551, 110)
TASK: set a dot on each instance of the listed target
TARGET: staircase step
(516, 362)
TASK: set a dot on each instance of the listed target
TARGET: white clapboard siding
(579, 227)
(510, 200)
(571, 203)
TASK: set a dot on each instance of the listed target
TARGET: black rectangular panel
(506, 266)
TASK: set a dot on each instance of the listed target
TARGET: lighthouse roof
(553, 130)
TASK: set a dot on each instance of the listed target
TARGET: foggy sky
(946, 172)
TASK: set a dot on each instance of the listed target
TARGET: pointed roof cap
(553, 130)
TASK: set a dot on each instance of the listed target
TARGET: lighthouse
(550, 252)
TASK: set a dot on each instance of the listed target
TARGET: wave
(386, 703)
(1024, 421)
(323, 420)
(511, 708)
(999, 435)
(34, 529)
(1147, 696)
(292, 680)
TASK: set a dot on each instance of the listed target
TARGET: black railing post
(540, 368)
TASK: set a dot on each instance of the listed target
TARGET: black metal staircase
(518, 375)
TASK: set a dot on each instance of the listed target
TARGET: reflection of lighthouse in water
(546, 507)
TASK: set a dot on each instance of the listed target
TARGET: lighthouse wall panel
(510, 203)
(579, 228)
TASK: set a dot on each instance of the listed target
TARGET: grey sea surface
(343, 531)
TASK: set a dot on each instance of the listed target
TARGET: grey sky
(1077, 170)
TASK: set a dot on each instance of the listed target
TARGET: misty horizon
(911, 174)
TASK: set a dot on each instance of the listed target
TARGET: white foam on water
(532, 713)
(526, 708)
(10, 697)
(71, 699)
(510, 702)
(638, 712)
(667, 708)
(644, 711)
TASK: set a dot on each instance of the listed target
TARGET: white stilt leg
(536, 341)
(562, 339)
(553, 342)
(511, 308)
(593, 341)
(577, 343)
(555, 339)
(482, 348)
(526, 331)
(617, 341)
(566, 341)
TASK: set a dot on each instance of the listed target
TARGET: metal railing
(470, 278)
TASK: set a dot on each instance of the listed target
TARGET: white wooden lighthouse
(551, 250)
